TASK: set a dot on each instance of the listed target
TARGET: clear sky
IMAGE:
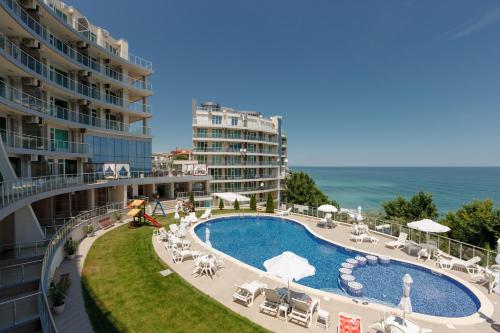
(367, 83)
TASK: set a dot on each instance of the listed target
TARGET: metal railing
(447, 245)
(242, 177)
(19, 273)
(19, 310)
(65, 49)
(185, 195)
(23, 250)
(10, 50)
(19, 97)
(59, 239)
(235, 137)
(85, 32)
(17, 140)
(251, 163)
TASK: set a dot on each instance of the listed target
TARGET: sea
(368, 187)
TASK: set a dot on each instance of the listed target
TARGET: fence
(393, 228)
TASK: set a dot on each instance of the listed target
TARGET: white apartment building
(245, 152)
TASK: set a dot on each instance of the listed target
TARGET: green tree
(236, 205)
(191, 201)
(420, 206)
(302, 190)
(221, 204)
(270, 203)
(253, 202)
(476, 223)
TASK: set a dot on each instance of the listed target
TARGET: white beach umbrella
(405, 303)
(327, 209)
(208, 245)
(427, 225)
(176, 216)
(289, 266)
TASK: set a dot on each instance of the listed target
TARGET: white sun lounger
(326, 221)
(271, 302)
(302, 311)
(400, 242)
(207, 214)
(364, 238)
(470, 265)
(247, 292)
(285, 212)
(180, 255)
(192, 218)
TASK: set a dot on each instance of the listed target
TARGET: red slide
(152, 220)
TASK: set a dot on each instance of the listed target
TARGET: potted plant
(118, 216)
(70, 249)
(57, 298)
(89, 230)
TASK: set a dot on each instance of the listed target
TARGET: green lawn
(124, 292)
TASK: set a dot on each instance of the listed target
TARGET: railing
(19, 273)
(235, 137)
(67, 50)
(250, 163)
(242, 177)
(185, 195)
(256, 125)
(23, 250)
(84, 32)
(24, 59)
(17, 96)
(393, 228)
(17, 140)
(59, 239)
(19, 310)
(245, 189)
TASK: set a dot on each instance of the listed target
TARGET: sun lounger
(324, 222)
(271, 302)
(470, 265)
(180, 255)
(285, 212)
(349, 323)
(207, 214)
(364, 238)
(192, 218)
(485, 277)
(302, 312)
(400, 242)
(247, 292)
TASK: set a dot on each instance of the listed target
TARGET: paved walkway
(221, 288)
(74, 318)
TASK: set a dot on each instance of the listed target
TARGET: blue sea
(368, 187)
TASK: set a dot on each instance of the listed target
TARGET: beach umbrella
(427, 225)
(359, 217)
(289, 266)
(327, 209)
(176, 216)
(405, 302)
(208, 245)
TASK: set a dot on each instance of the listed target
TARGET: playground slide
(152, 220)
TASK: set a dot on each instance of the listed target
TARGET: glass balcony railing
(22, 141)
(235, 150)
(241, 137)
(67, 50)
(22, 99)
(22, 58)
(242, 177)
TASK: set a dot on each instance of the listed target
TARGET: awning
(231, 197)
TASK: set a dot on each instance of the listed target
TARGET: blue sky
(358, 82)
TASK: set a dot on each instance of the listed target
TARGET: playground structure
(138, 214)
(160, 206)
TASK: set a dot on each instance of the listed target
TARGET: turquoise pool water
(253, 240)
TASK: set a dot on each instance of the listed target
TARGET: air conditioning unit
(83, 102)
(85, 160)
(31, 43)
(83, 73)
(33, 120)
(107, 61)
(31, 81)
(30, 5)
(107, 86)
(33, 158)
(82, 45)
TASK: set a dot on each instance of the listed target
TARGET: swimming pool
(253, 240)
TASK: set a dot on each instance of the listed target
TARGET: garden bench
(106, 223)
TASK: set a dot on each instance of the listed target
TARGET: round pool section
(254, 239)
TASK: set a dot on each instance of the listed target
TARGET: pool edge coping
(486, 306)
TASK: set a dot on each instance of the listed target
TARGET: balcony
(87, 34)
(28, 142)
(242, 137)
(66, 50)
(19, 98)
(242, 177)
(21, 58)
(196, 194)
(235, 150)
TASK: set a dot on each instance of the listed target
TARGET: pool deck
(234, 273)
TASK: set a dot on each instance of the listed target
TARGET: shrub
(236, 205)
(70, 247)
(221, 204)
(270, 203)
(253, 202)
(191, 201)
(56, 295)
(89, 228)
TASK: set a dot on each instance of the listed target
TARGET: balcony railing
(87, 34)
(196, 194)
(257, 125)
(241, 137)
(67, 50)
(235, 150)
(242, 163)
(17, 140)
(18, 310)
(17, 96)
(10, 50)
(242, 177)
(20, 273)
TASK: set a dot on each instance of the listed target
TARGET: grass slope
(124, 292)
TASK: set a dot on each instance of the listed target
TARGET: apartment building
(75, 141)
(244, 151)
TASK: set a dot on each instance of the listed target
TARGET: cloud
(474, 25)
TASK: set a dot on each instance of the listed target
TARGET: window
(234, 121)
(59, 139)
(111, 49)
(216, 133)
(216, 146)
(201, 132)
(3, 88)
(216, 120)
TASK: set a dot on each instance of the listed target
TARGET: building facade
(75, 138)
(244, 151)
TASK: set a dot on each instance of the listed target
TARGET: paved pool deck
(234, 273)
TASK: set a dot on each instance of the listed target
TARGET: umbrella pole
(288, 291)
